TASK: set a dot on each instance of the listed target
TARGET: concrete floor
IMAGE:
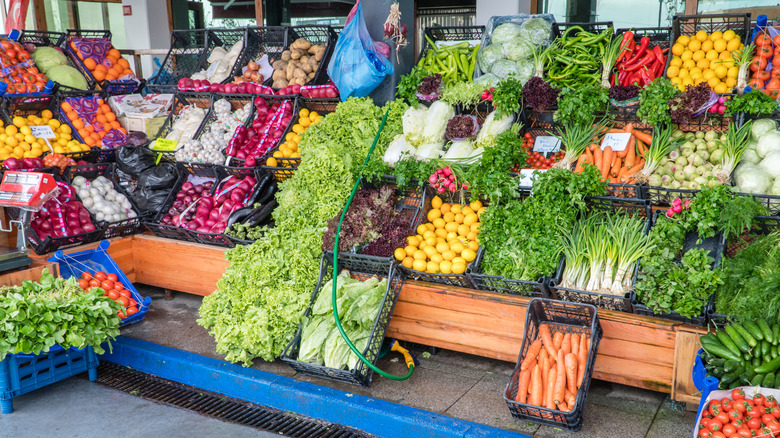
(450, 383)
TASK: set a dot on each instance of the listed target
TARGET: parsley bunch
(578, 106)
(490, 178)
(755, 103)
(654, 101)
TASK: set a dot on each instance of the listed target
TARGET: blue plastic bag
(356, 67)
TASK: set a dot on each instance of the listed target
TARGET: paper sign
(43, 131)
(617, 140)
(526, 176)
(546, 143)
(163, 144)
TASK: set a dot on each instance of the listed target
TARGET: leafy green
(465, 94)
(53, 311)
(409, 171)
(755, 103)
(506, 96)
(407, 85)
(654, 101)
(578, 106)
(263, 293)
(490, 178)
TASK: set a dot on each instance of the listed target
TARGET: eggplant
(270, 191)
(260, 187)
(239, 215)
(262, 215)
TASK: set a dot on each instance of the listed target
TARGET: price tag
(617, 140)
(163, 144)
(44, 132)
(526, 176)
(546, 143)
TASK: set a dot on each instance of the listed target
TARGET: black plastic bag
(160, 177)
(150, 200)
(133, 160)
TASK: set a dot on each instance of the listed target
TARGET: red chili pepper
(647, 75)
(643, 43)
(658, 54)
(622, 75)
(642, 63)
(658, 68)
(624, 45)
(614, 79)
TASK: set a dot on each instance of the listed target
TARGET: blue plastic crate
(704, 384)
(93, 260)
(23, 373)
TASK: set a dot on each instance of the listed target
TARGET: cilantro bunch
(578, 106)
(654, 102)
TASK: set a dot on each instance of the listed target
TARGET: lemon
(436, 202)
(11, 130)
(464, 230)
(436, 257)
(678, 49)
(728, 63)
(54, 123)
(455, 208)
(672, 72)
(303, 112)
(433, 214)
(451, 227)
(694, 45)
(314, 115)
(713, 81)
(429, 251)
(458, 268)
(469, 255)
(445, 208)
(430, 226)
(428, 234)
(731, 82)
(687, 81)
(457, 247)
(448, 216)
(733, 45)
(19, 121)
(297, 129)
(721, 88)
(676, 62)
(707, 45)
(445, 266)
(699, 54)
(721, 71)
(459, 218)
(476, 205)
(676, 81)
(409, 250)
(684, 40)
(413, 240)
(60, 150)
(408, 262)
(703, 64)
(18, 152)
(419, 255)
(11, 141)
(448, 255)
(432, 268)
(37, 152)
(689, 64)
(720, 45)
(729, 35)
(473, 245)
(702, 36)
(695, 72)
(712, 55)
(708, 74)
(451, 236)
(442, 247)
(715, 36)
(421, 229)
(419, 265)
(439, 222)
(467, 210)
(441, 232)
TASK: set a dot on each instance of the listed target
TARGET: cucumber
(757, 380)
(765, 349)
(756, 361)
(749, 340)
(720, 351)
(773, 352)
(717, 362)
(776, 334)
(725, 339)
(769, 381)
(768, 367)
(731, 377)
(710, 337)
(717, 372)
(766, 330)
(751, 327)
(748, 375)
(730, 366)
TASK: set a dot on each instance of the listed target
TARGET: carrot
(536, 392)
(566, 344)
(617, 163)
(560, 379)
(582, 356)
(630, 154)
(589, 153)
(544, 363)
(580, 161)
(533, 351)
(598, 157)
(629, 127)
(624, 152)
(522, 388)
(593, 147)
(575, 343)
(615, 131)
(607, 160)
(563, 407)
(548, 395)
(634, 169)
(544, 333)
(643, 137)
(570, 398)
(557, 340)
(571, 372)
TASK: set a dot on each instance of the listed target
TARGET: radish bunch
(677, 207)
(444, 179)
(267, 128)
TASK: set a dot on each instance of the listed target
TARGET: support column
(147, 28)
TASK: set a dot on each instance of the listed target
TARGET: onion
(180, 195)
(166, 219)
(178, 204)
(75, 231)
(88, 228)
(45, 225)
(186, 186)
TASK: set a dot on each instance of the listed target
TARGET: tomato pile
(18, 70)
(537, 160)
(113, 289)
(740, 416)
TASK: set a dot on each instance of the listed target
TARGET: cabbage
(761, 127)
(525, 69)
(429, 151)
(492, 128)
(752, 179)
(504, 69)
(67, 76)
(413, 122)
(750, 157)
(489, 56)
(439, 113)
(487, 80)
(47, 57)
(458, 150)
(505, 32)
(771, 163)
(775, 189)
(396, 150)
(536, 30)
(768, 142)
(517, 49)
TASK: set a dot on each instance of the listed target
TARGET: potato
(319, 53)
(311, 75)
(304, 59)
(289, 70)
(280, 65)
(301, 44)
(298, 73)
(280, 74)
(296, 54)
(280, 83)
(313, 48)
(306, 68)
(286, 55)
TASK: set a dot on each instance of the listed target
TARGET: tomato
(754, 423)
(718, 435)
(6, 44)
(723, 418)
(704, 433)
(765, 432)
(767, 418)
(107, 284)
(112, 277)
(774, 426)
(727, 404)
(729, 429)
(735, 415)
(770, 401)
(123, 301)
(764, 51)
(100, 275)
(84, 284)
(132, 310)
(11, 53)
(94, 283)
(758, 63)
(113, 295)
(132, 301)
(715, 425)
(124, 292)
(763, 75)
(744, 432)
(763, 39)
(119, 286)
(706, 414)
(121, 314)
(86, 276)
(758, 400)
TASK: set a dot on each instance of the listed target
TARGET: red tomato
(762, 39)
(723, 418)
(727, 404)
(124, 293)
(744, 432)
(123, 301)
(132, 310)
(94, 283)
(718, 435)
(767, 418)
(704, 433)
(754, 423)
(758, 63)
(112, 277)
(100, 275)
(84, 284)
(132, 301)
(113, 295)
(774, 426)
(735, 415)
(107, 284)
(706, 414)
(770, 401)
(121, 314)
(776, 40)
(765, 432)
(715, 424)
(119, 286)
(729, 429)
(764, 51)
(11, 53)
(86, 276)
(758, 400)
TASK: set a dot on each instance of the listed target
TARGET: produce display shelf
(114, 87)
(503, 285)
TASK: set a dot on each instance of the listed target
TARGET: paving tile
(460, 364)
(672, 420)
(603, 422)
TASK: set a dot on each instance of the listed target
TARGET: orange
(89, 128)
(101, 67)
(78, 124)
(123, 63)
(122, 130)
(116, 71)
(126, 72)
(110, 77)
(90, 63)
(114, 124)
(72, 115)
(102, 134)
(83, 133)
(99, 75)
(66, 107)
(100, 101)
(104, 108)
(110, 117)
(101, 119)
(114, 53)
(95, 136)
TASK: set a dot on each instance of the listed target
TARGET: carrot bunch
(553, 369)
(617, 167)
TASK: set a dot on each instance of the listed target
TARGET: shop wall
(489, 8)
(147, 28)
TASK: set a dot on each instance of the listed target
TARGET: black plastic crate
(181, 100)
(119, 228)
(40, 38)
(362, 269)
(595, 27)
(225, 38)
(181, 61)
(236, 101)
(259, 41)
(315, 34)
(503, 285)
(105, 154)
(568, 318)
(114, 87)
(450, 33)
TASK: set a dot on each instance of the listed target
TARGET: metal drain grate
(220, 407)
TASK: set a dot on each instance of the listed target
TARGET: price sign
(44, 132)
(163, 144)
(546, 143)
(526, 176)
(617, 140)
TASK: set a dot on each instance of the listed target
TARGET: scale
(27, 192)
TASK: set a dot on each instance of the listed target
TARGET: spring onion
(735, 144)
(611, 53)
(743, 59)
(661, 145)
(575, 138)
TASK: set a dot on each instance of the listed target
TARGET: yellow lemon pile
(17, 140)
(289, 149)
(706, 58)
(447, 243)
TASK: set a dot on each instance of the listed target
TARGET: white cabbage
(429, 151)
(492, 128)
(396, 150)
(439, 113)
(768, 142)
(752, 179)
(761, 127)
(458, 150)
(413, 122)
(771, 163)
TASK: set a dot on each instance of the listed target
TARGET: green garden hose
(407, 357)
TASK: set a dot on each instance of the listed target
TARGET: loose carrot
(522, 388)
(582, 356)
(617, 163)
(551, 379)
(593, 147)
(580, 161)
(557, 340)
(589, 153)
(629, 127)
(630, 154)
(560, 379)
(571, 372)
(575, 343)
(606, 161)
(547, 341)
(536, 392)
(598, 157)
(533, 351)
(570, 398)
(544, 363)
(563, 407)
(615, 131)
(624, 152)
(566, 344)
(642, 136)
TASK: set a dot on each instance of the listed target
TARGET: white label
(526, 176)
(546, 143)
(617, 140)
(43, 131)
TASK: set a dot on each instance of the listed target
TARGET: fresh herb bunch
(578, 106)
(619, 92)
(506, 96)
(521, 239)
(490, 178)
(654, 102)
(408, 83)
(755, 103)
(53, 311)
(409, 171)
(539, 94)
(715, 209)
(682, 106)
(464, 94)
(751, 281)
